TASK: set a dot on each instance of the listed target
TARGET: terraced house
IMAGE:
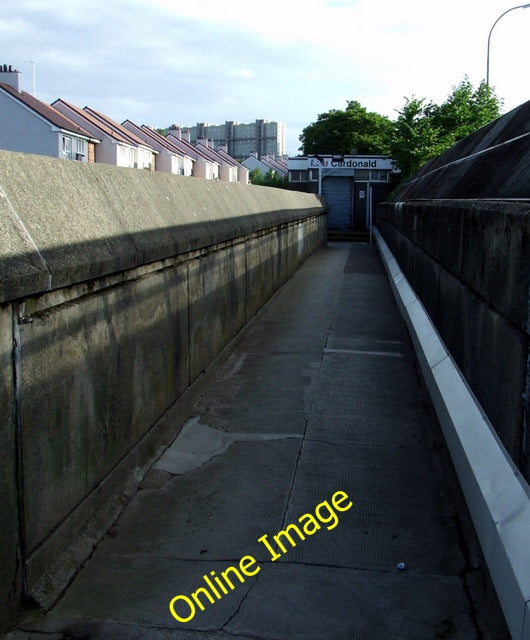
(118, 146)
(29, 125)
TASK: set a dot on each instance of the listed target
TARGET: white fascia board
(73, 133)
(150, 149)
(182, 156)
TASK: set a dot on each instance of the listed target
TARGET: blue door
(338, 193)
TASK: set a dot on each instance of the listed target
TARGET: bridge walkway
(321, 399)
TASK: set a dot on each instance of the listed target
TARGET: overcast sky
(160, 62)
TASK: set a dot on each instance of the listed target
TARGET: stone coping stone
(63, 222)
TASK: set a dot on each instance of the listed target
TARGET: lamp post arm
(520, 6)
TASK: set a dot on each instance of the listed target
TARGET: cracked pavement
(322, 395)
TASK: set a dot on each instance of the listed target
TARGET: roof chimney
(10, 76)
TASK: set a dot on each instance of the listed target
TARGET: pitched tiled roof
(214, 155)
(274, 164)
(229, 158)
(160, 137)
(278, 163)
(193, 151)
(91, 122)
(118, 128)
(148, 134)
(46, 111)
(266, 163)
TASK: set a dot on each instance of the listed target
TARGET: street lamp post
(520, 6)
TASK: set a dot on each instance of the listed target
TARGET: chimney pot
(10, 76)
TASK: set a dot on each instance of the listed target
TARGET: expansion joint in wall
(19, 471)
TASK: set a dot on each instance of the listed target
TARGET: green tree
(424, 130)
(415, 138)
(269, 179)
(345, 131)
(465, 110)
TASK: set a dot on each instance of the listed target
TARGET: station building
(352, 185)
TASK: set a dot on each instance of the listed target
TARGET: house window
(80, 149)
(147, 160)
(177, 166)
(313, 175)
(66, 147)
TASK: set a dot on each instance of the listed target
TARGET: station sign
(352, 162)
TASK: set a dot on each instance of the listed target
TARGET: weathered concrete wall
(492, 162)
(10, 551)
(118, 289)
(460, 231)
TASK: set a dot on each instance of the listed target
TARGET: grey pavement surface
(321, 396)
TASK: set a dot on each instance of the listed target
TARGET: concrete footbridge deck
(218, 424)
(309, 494)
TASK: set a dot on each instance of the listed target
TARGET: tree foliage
(353, 130)
(421, 131)
(424, 130)
(464, 111)
(414, 139)
(269, 179)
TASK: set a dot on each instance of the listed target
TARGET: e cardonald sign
(355, 162)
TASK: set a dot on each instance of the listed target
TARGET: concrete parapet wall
(10, 551)
(497, 495)
(118, 290)
(107, 220)
(469, 263)
(459, 228)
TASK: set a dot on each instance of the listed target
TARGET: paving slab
(245, 521)
(342, 611)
